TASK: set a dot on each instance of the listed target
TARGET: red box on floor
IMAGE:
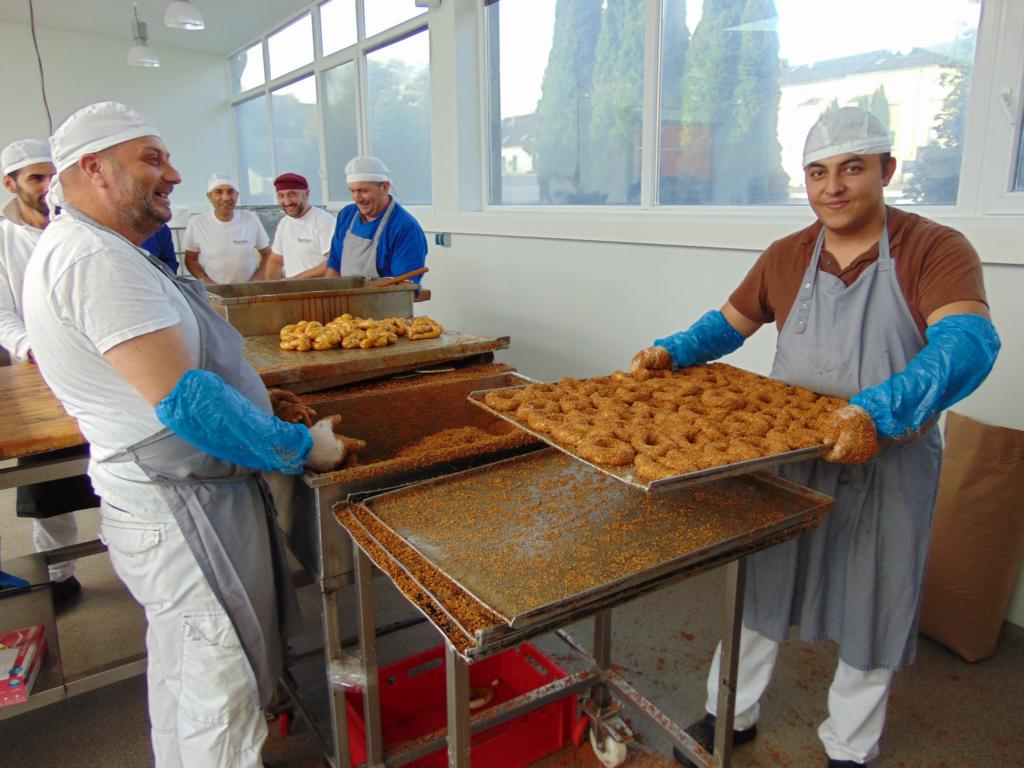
(21, 656)
(413, 704)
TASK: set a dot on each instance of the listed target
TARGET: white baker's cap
(218, 179)
(846, 130)
(93, 128)
(22, 153)
(366, 168)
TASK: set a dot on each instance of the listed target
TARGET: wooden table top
(32, 420)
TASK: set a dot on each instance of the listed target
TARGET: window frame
(356, 53)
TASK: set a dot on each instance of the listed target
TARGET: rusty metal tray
(312, 371)
(625, 474)
(263, 307)
(542, 539)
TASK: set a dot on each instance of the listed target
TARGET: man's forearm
(195, 268)
(320, 270)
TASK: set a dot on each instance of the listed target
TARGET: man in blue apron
(886, 309)
(179, 427)
(375, 236)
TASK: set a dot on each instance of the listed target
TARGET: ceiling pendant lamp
(140, 54)
(181, 14)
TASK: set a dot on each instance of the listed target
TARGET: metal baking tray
(625, 474)
(542, 540)
(388, 416)
(264, 307)
(312, 371)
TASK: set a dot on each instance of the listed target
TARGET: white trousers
(54, 532)
(857, 700)
(204, 709)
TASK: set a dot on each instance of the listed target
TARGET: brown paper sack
(977, 537)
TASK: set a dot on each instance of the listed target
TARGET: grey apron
(855, 579)
(224, 510)
(358, 254)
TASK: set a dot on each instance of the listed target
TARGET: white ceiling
(230, 24)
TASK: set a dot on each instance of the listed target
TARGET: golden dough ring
(648, 467)
(651, 442)
(504, 401)
(723, 399)
(606, 450)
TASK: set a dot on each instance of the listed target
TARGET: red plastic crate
(412, 693)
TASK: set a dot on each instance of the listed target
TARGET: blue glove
(958, 356)
(208, 413)
(710, 338)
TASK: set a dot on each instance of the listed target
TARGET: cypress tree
(563, 112)
(617, 103)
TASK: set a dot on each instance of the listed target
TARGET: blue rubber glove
(208, 413)
(958, 356)
(710, 338)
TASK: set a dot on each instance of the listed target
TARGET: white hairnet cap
(22, 153)
(843, 131)
(366, 168)
(218, 179)
(94, 128)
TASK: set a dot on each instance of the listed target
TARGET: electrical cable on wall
(39, 59)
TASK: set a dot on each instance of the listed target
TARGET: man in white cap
(303, 237)
(375, 236)
(27, 171)
(225, 245)
(179, 426)
(887, 309)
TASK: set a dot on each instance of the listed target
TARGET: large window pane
(340, 125)
(743, 81)
(296, 140)
(337, 25)
(257, 175)
(568, 101)
(379, 15)
(291, 47)
(247, 69)
(399, 111)
(1019, 183)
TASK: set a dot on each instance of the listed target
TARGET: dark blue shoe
(703, 732)
(845, 764)
(65, 590)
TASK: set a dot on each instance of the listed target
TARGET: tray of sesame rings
(661, 429)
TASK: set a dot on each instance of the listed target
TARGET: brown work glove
(288, 407)
(850, 433)
(651, 359)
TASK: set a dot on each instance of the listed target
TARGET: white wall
(186, 97)
(583, 308)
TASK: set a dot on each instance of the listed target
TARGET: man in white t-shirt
(225, 245)
(28, 170)
(303, 238)
(180, 427)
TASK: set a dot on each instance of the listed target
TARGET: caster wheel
(579, 730)
(614, 753)
(284, 724)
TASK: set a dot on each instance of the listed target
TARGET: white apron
(856, 578)
(225, 511)
(359, 254)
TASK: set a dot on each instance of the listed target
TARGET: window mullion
(649, 132)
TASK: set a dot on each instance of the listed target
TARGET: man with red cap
(303, 237)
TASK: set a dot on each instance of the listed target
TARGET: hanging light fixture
(140, 54)
(182, 14)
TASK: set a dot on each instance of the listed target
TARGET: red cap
(290, 181)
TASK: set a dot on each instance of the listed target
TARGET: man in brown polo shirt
(887, 309)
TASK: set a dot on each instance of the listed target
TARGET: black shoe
(845, 764)
(65, 590)
(703, 732)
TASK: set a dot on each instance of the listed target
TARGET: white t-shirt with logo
(85, 292)
(227, 249)
(304, 242)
